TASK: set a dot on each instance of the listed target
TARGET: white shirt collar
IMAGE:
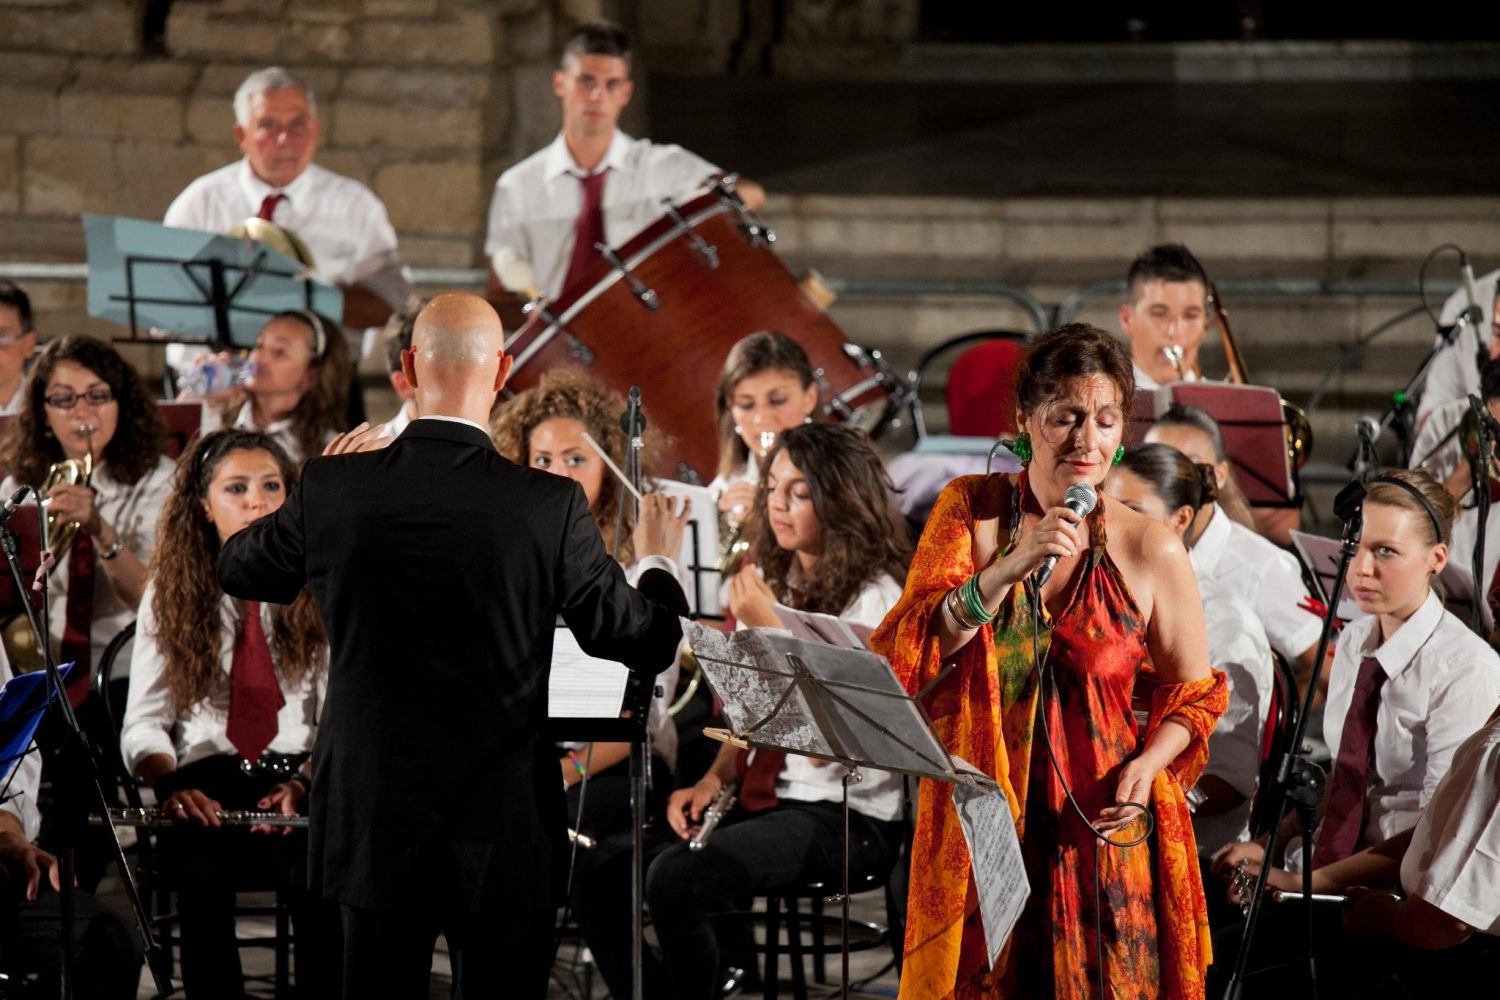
(1398, 652)
(1206, 551)
(456, 420)
(559, 161)
(297, 193)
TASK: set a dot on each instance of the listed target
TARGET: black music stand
(82, 762)
(200, 287)
(816, 700)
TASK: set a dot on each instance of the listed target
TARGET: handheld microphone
(1473, 315)
(1081, 499)
(13, 503)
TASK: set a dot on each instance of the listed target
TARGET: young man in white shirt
(1166, 309)
(540, 204)
(17, 344)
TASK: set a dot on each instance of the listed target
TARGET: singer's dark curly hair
(187, 600)
(853, 498)
(568, 395)
(30, 448)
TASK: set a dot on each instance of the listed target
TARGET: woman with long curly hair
(299, 393)
(829, 540)
(543, 428)
(82, 400)
(223, 708)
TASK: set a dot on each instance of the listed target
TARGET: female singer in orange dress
(1116, 604)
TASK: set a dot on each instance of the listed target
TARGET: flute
(723, 801)
(155, 818)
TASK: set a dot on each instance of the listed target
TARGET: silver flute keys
(722, 802)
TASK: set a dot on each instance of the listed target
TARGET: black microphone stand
(1480, 473)
(1402, 409)
(633, 423)
(1300, 782)
(77, 758)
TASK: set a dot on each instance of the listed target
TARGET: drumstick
(613, 467)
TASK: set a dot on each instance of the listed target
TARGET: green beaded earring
(1119, 455)
(1021, 446)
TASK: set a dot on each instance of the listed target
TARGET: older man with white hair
(341, 221)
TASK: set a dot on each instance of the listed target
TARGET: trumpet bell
(68, 472)
(283, 241)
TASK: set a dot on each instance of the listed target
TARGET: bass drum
(663, 311)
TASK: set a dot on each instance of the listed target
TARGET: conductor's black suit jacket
(440, 568)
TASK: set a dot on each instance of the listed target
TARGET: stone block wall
(426, 101)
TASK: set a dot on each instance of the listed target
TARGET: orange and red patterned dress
(1153, 919)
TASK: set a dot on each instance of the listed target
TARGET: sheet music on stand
(700, 548)
(1254, 428)
(830, 629)
(1321, 555)
(845, 705)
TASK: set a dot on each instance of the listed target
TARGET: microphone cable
(1043, 672)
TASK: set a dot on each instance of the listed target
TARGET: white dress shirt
(343, 224)
(1442, 683)
(155, 724)
(281, 431)
(22, 789)
(1453, 861)
(13, 405)
(393, 427)
(878, 795)
(1455, 371)
(1442, 461)
(534, 211)
(133, 511)
(1264, 577)
(1144, 381)
(1461, 551)
(1237, 645)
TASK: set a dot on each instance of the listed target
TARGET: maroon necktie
(1344, 818)
(590, 229)
(268, 207)
(78, 625)
(758, 778)
(254, 693)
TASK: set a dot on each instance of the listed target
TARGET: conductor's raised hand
(362, 438)
(685, 807)
(1059, 533)
(659, 528)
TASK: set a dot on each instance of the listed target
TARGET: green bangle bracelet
(973, 603)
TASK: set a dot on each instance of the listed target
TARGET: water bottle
(215, 376)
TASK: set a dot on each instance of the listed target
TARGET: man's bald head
(458, 329)
(455, 363)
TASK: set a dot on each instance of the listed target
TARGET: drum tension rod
(706, 250)
(835, 402)
(576, 347)
(647, 296)
(757, 234)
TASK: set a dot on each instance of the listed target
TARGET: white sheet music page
(830, 630)
(995, 856)
(581, 686)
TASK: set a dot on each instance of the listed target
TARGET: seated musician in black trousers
(223, 709)
(440, 569)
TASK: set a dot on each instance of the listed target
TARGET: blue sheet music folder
(22, 701)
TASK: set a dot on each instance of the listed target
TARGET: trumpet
(1174, 353)
(737, 544)
(723, 801)
(68, 472)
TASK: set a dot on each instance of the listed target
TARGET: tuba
(1299, 436)
(68, 472)
(283, 241)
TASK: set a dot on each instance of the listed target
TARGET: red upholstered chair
(980, 392)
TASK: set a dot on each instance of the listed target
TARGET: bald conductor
(440, 569)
